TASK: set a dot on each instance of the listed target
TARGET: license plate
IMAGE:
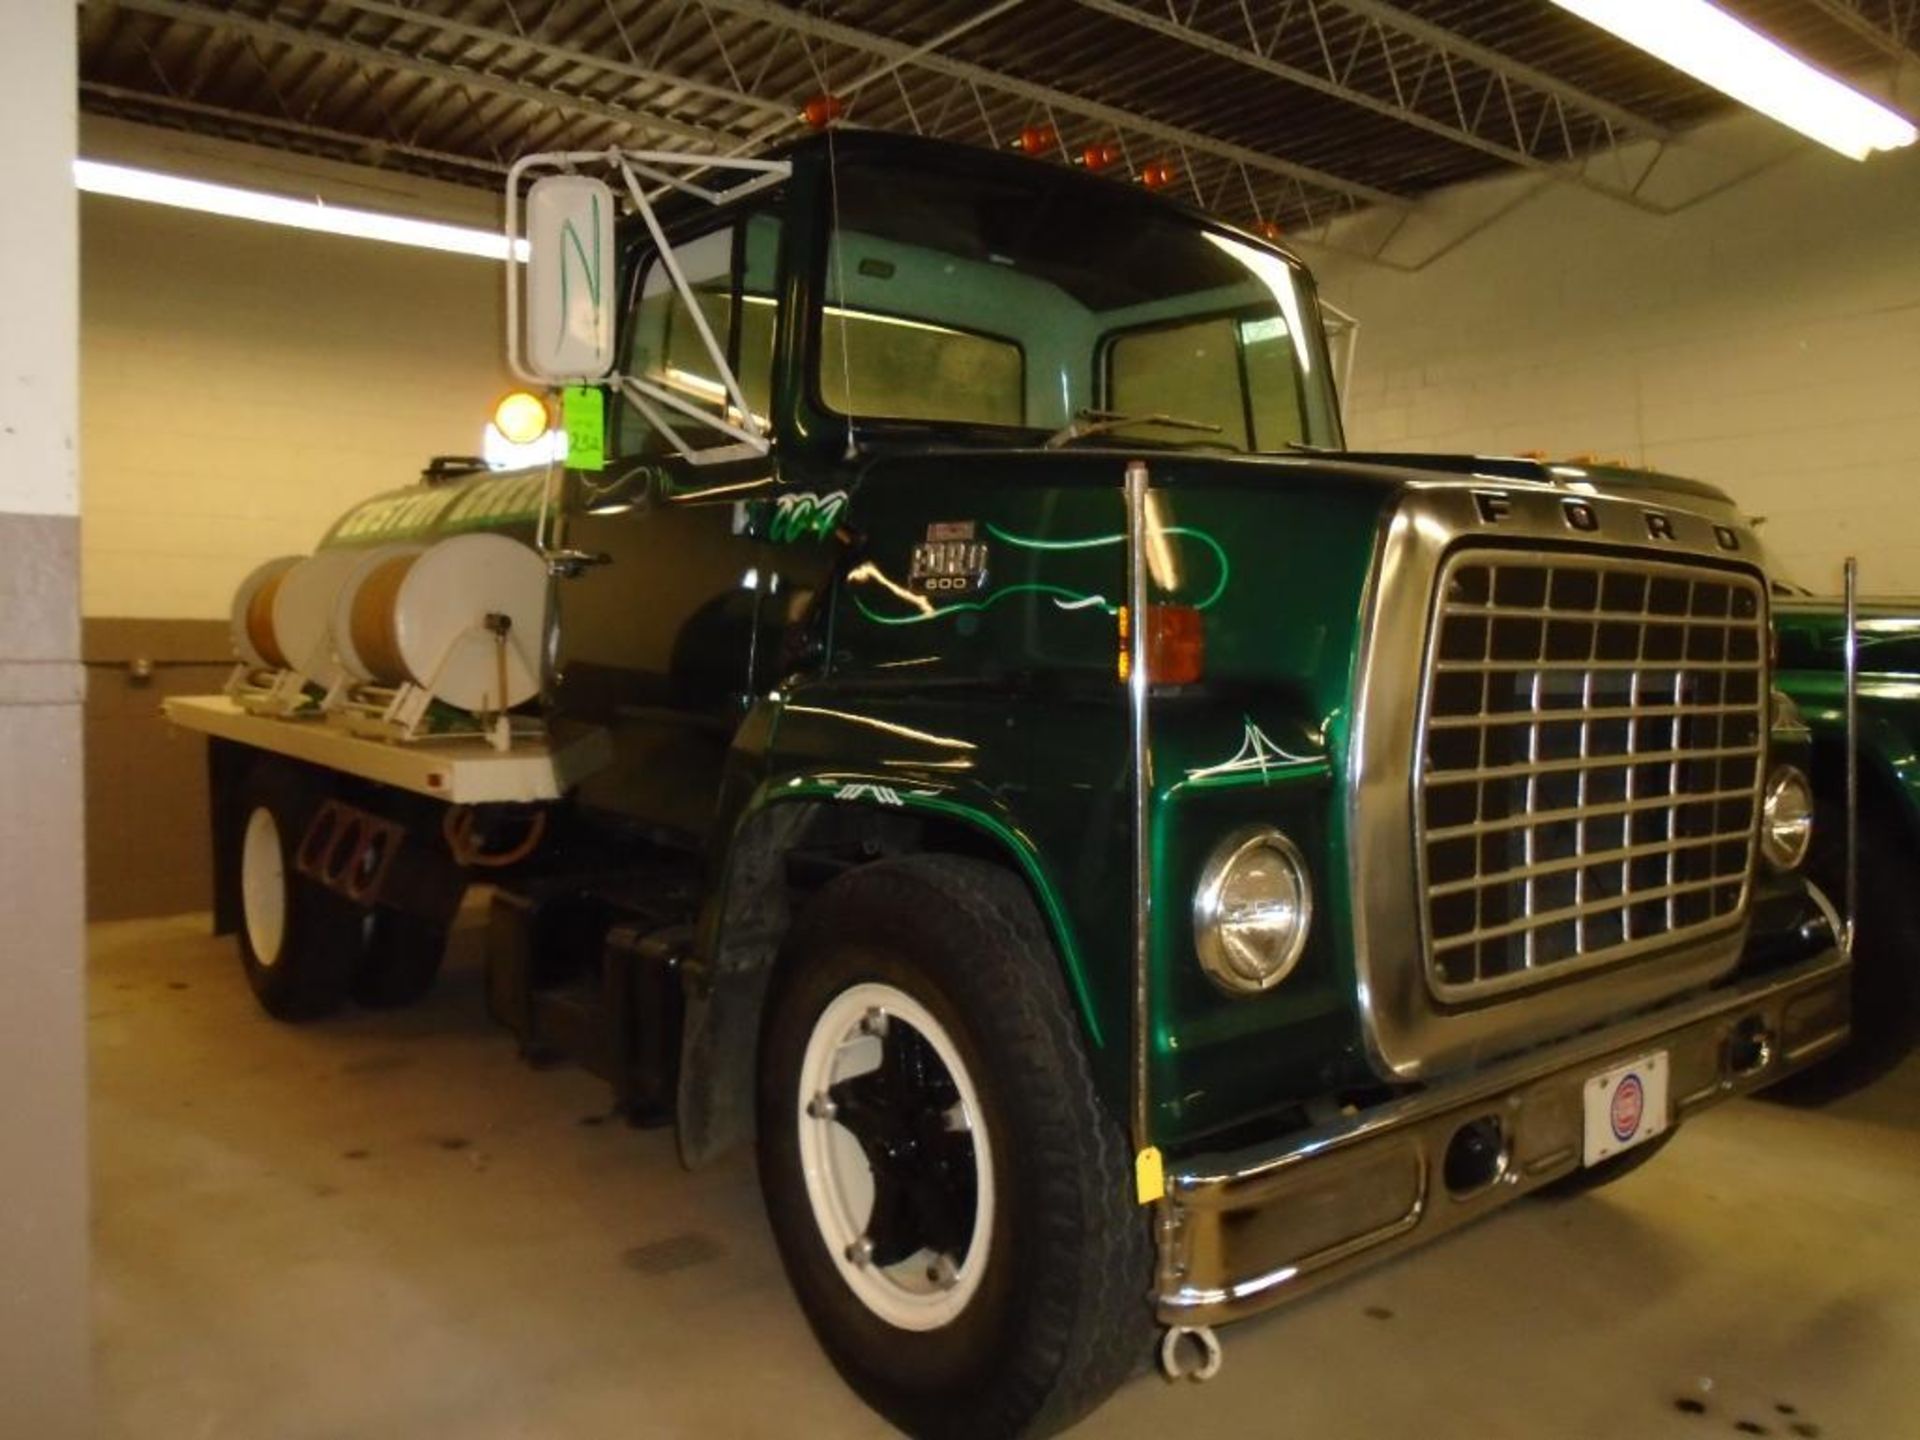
(1624, 1107)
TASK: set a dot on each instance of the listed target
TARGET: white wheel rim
(263, 886)
(925, 1290)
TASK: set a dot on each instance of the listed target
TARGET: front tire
(950, 1197)
(298, 941)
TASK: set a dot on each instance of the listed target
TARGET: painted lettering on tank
(479, 504)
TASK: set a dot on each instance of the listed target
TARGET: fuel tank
(437, 587)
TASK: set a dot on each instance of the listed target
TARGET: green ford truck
(1811, 671)
(962, 723)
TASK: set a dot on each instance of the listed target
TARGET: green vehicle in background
(1886, 979)
(976, 735)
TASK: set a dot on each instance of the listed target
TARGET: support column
(43, 1097)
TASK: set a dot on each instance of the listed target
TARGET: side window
(732, 273)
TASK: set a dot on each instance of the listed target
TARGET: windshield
(1023, 301)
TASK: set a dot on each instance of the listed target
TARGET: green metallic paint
(1010, 719)
(981, 814)
(1006, 717)
(1066, 599)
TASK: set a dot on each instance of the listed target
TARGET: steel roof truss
(1382, 60)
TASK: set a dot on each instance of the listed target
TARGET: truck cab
(1120, 857)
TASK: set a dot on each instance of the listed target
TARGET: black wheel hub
(924, 1179)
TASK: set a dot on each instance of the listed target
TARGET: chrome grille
(1589, 762)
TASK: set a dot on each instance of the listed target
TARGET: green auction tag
(584, 413)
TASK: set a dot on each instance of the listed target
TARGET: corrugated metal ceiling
(1290, 110)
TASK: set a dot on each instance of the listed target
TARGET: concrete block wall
(1767, 340)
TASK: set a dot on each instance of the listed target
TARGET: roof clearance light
(822, 110)
(1270, 230)
(522, 417)
(1100, 157)
(1718, 50)
(1159, 175)
(1037, 140)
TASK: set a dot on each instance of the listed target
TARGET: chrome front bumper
(1242, 1232)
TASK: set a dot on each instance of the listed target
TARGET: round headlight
(1786, 819)
(1251, 911)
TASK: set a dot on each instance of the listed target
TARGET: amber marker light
(1037, 140)
(522, 417)
(1176, 645)
(1158, 175)
(822, 110)
(1099, 157)
(1270, 230)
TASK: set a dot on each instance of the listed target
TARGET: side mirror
(570, 279)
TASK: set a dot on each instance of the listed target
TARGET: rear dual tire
(306, 949)
(299, 942)
(400, 960)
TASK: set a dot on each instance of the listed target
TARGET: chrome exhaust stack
(1852, 658)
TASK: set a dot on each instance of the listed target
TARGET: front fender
(964, 803)
(782, 802)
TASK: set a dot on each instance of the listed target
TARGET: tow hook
(1190, 1352)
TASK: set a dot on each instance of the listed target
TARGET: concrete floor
(385, 1225)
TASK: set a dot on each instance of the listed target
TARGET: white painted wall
(242, 384)
(1767, 340)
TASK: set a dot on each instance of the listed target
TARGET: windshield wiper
(1098, 422)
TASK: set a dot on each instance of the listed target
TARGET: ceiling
(1296, 112)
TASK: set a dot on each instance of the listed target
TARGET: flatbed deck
(462, 770)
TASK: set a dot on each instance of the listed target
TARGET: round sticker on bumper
(1629, 1104)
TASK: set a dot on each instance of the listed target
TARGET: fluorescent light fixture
(1720, 51)
(123, 181)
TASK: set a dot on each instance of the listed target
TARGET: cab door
(658, 642)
